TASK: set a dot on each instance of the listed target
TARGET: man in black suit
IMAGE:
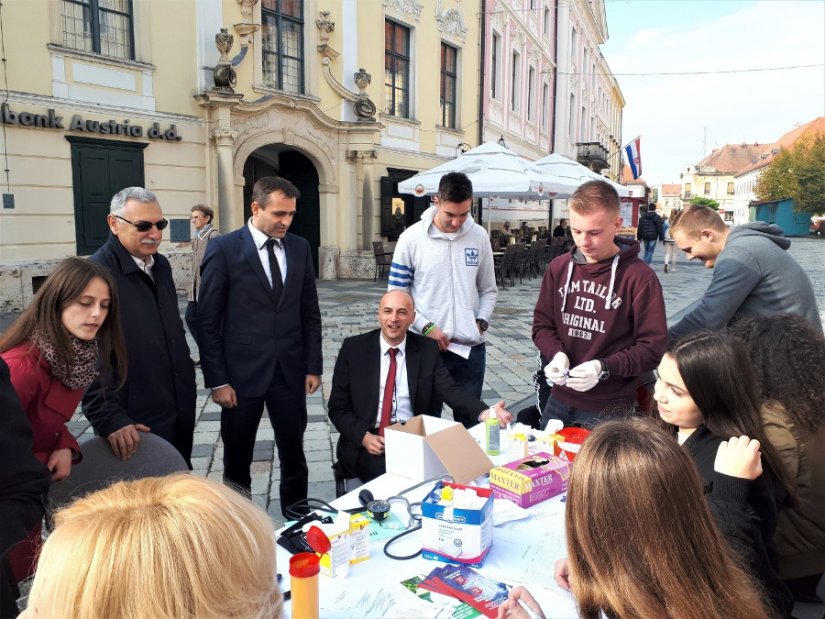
(159, 394)
(390, 375)
(260, 330)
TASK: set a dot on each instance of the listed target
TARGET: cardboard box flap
(459, 453)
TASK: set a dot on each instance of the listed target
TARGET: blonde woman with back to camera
(641, 541)
(178, 546)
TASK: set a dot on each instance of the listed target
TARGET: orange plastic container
(303, 572)
(572, 440)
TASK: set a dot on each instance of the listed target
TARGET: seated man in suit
(390, 375)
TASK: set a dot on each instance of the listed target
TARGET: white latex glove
(556, 371)
(585, 376)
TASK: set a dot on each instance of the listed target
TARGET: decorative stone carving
(223, 137)
(224, 75)
(246, 10)
(406, 7)
(325, 27)
(451, 21)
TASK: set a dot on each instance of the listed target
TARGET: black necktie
(275, 269)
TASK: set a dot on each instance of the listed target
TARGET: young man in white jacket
(445, 262)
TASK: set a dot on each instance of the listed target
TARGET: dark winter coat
(650, 227)
(160, 389)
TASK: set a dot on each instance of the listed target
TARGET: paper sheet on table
(504, 511)
(350, 604)
(460, 349)
(526, 559)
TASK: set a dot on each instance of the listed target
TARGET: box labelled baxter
(530, 480)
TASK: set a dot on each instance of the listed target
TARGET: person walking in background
(159, 392)
(670, 246)
(650, 231)
(753, 274)
(562, 230)
(599, 316)
(787, 354)
(52, 351)
(201, 219)
(260, 328)
(445, 262)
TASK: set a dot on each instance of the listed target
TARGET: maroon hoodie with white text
(611, 310)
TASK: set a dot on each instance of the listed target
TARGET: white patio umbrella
(496, 172)
(567, 168)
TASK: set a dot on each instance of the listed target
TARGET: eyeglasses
(145, 226)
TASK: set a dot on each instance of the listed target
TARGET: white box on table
(425, 447)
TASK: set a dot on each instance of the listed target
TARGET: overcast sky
(682, 117)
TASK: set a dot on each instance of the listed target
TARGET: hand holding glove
(585, 376)
(556, 371)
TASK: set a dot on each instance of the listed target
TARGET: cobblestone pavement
(349, 307)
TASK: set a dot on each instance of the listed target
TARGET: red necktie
(389, 388)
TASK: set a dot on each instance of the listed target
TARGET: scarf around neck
(77, 375)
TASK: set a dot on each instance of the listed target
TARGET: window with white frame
(515, 82)
(396, 69)
(531, 89)
(103, 27)
(282, 37)
(545, 105)
(495, 68)
(546, 21)
(449, 72)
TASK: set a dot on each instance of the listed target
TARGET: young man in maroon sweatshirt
(600, 315)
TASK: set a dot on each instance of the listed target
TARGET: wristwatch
(483, 324)
(605, 373)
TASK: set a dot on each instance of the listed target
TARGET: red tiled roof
(729, 159)
(817, 125)
(671, 189)
(627, 177)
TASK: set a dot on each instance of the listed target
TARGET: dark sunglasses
(145, 226)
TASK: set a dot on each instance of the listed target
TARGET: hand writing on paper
(562, 574)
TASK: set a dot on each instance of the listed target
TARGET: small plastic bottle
(493, 433)
(303, 571)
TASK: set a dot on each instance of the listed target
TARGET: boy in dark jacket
(650, 230)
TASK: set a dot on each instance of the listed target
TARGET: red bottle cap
(304, 565)
(318, 540)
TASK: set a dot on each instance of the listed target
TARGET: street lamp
(460, 148)
(501, 142)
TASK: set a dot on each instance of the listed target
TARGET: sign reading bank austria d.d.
(50, 120)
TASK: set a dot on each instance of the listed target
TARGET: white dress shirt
(260, 239)
(401, 409)
(145, 265)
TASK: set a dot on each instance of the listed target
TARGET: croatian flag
(634, 157)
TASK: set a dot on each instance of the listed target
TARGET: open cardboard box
(425, 447)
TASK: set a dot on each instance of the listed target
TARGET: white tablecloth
(523, 552)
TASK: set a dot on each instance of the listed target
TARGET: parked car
(817, 227)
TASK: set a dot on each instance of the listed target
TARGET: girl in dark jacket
(707, 391)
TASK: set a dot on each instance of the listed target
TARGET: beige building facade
(346, 98)
(97, 100)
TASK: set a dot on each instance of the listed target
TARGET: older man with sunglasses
(159, 393)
